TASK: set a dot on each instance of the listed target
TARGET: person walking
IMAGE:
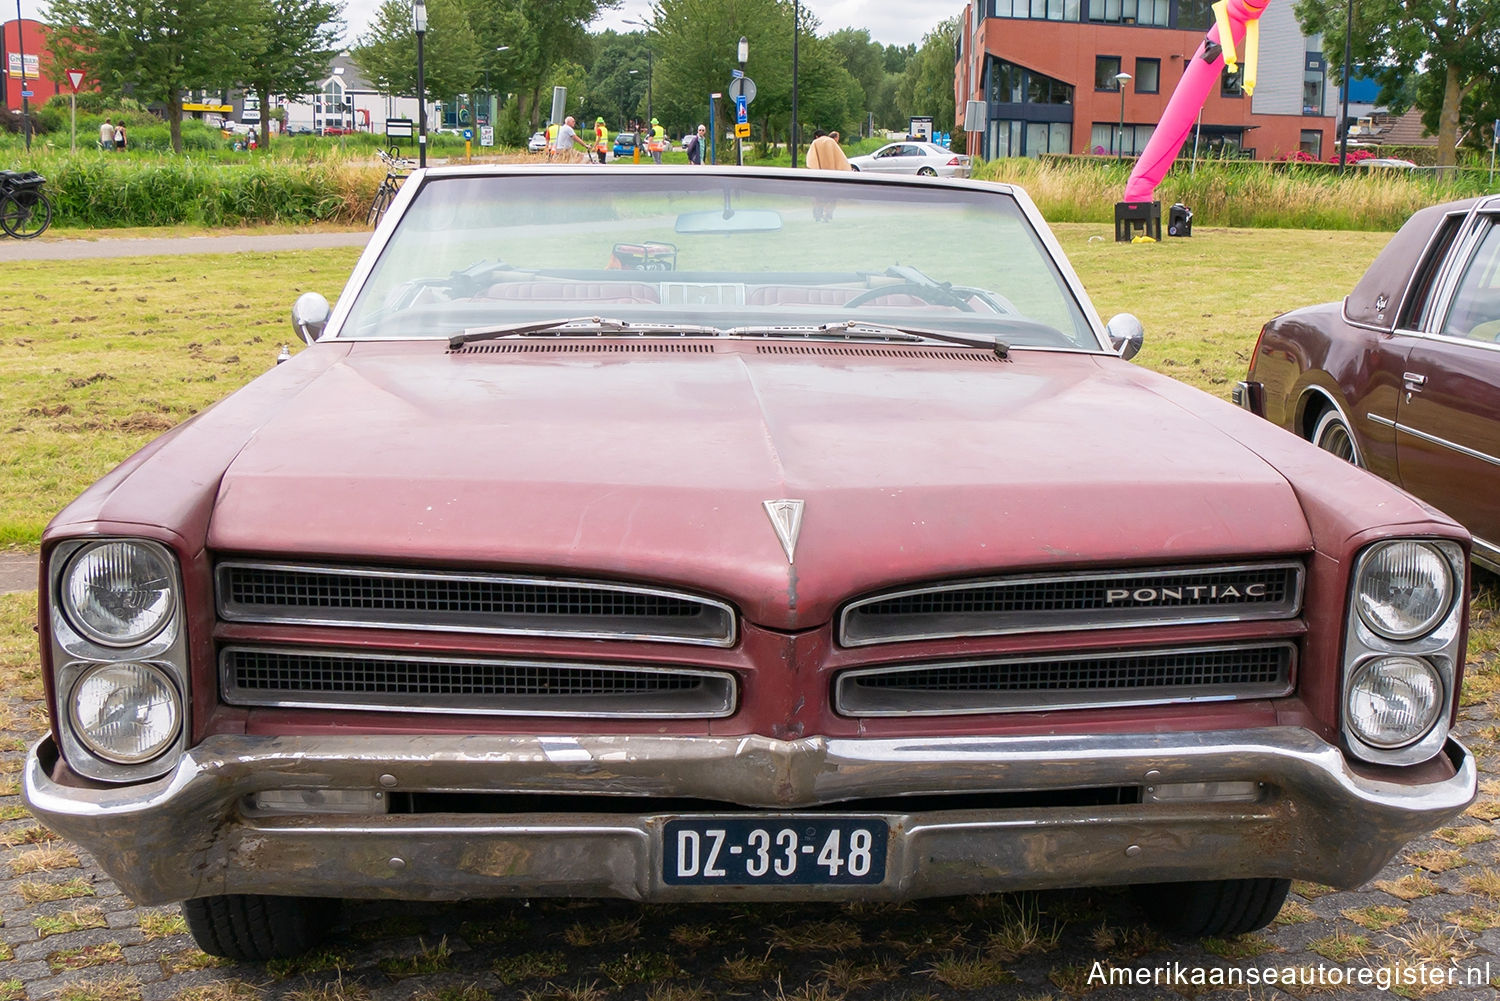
(120, 138)
(825, 153)
(601, 138)
(552, 128)
(695, 146)
(658, 144)
(567, 138)
(107, 135)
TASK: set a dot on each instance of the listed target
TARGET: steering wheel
(936, 295)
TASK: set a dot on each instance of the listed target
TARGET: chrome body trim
(1124, 616)
(970, 701)
(186, 835)
(718, 699)
(724, 636)
(1434, 439)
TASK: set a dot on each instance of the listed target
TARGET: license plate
(734, 852)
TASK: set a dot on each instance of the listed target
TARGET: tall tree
(158, 50)
(863, 58)
(450, 56)
(614, 93)
(291, 43)
(695, 43)
(1453, 44)
(926, 86)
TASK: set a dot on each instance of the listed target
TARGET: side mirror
(310, 316)
(1126, 335)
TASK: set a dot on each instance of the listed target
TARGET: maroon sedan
(1403, 376)
(635, 534)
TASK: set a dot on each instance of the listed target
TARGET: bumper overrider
(189, 833)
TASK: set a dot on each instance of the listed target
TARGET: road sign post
(742, 90)
(75, 80)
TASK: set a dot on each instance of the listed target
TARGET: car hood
(654, 462)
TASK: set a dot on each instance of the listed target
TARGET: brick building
(38, 63)
(1047, 70)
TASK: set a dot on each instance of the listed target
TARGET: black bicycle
(25, 211)
(397, 167)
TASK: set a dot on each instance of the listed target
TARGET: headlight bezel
(1438, 648)
(75, 652)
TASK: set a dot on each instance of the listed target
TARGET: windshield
(722, 251)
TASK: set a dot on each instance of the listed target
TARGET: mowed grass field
(97, 357)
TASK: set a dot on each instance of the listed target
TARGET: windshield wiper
(863, 330)
(579, 326)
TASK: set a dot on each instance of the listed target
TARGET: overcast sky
(890, 21)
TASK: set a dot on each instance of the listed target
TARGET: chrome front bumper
(187, 835)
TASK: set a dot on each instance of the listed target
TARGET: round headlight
(118, 593)
(126, 713)
(1394, 701)
(1405, 589)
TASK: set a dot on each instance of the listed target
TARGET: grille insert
(1087, 600)
(1069, 681)
(318, 678)
(467, 602)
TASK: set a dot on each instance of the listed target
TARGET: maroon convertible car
(1403, 376)
(631, 533)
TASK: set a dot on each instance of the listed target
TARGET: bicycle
(25, 211)
(397, 169)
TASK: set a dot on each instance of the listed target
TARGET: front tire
(1331, 434)
(1217, 907)
(253, 928)
(25, 214)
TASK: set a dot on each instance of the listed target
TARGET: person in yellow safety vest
(551, 140)
(601, 138)
(658, 144)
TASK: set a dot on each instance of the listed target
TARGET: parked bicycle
(25, 211)
(397, 169)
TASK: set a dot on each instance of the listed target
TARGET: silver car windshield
(672, 248)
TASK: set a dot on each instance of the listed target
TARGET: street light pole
(1121, 79)
(1344, 113)
(739, 144)
(491, 109)
(25, 103)
(713, 129)
(419, 24)
(796, 30)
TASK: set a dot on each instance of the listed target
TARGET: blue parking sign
(741, 111)
(468, 133)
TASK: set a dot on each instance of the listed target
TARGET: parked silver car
(928, 159)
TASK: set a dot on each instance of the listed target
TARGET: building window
(1146, 12)
(1039, 10)
(1106, 68)
(1012, 84)
(1009, 137)
(1147, 76)
(1312, 143)
(1229, 83)
(1195, 15)
(1106, 139)
(1312, 84)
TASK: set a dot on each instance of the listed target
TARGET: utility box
(1133, 219)
(1179, 220)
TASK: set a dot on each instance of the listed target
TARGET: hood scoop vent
(879, 351)
(574, 347)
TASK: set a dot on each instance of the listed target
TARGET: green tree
(450, 52)
(614, 93)
(1452, 45)
(155, 50)
(862, 58)
(291, 43)
(926, 86)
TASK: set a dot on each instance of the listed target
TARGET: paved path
(17, 572)
(70, 250)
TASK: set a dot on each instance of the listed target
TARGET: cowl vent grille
(327, 679)
(1084, 600)
(574, 347)
(450, 601)
(1069, 681)
(879, 351)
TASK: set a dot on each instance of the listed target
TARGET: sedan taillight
(953, 162)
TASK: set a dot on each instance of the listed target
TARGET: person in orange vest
(657, 145)
(601, 138)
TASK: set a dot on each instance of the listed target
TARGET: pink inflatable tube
(1197, 82)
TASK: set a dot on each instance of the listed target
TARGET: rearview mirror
(1126, 335)
(730, 221)
(310, 316)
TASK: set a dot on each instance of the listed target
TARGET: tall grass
(1239, 194)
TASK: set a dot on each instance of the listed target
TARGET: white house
(347, 100)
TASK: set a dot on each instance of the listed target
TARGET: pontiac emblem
(786, 519)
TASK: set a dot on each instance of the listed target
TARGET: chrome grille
(467, 602)
(1069, 681)
(1085, 600)
(325, 679)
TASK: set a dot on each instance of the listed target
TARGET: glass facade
(1106, 139)
(1031, 113)
(1191, 14)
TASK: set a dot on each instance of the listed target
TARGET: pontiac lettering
(1191, 592)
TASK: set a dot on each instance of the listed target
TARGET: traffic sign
(468, 133)
(741, 111)
(742, 87)
(28, 93)
(75, 79)
(742, 130)
(736, 74)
